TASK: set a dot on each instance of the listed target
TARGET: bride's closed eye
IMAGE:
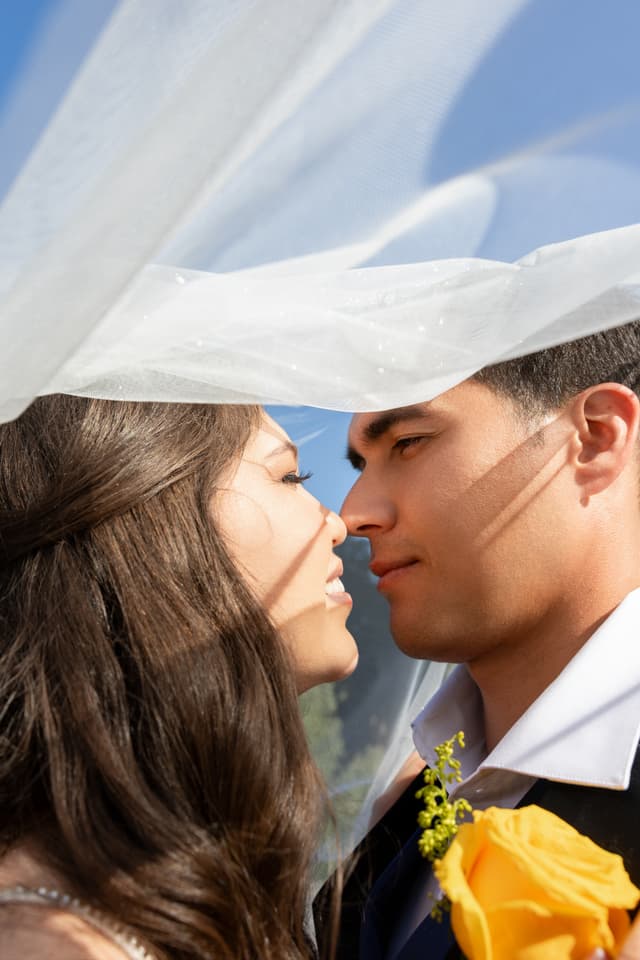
(294, 477)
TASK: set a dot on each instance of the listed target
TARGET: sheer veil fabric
(348, 204)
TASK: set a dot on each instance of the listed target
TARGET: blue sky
(322, 439)
(60, 32)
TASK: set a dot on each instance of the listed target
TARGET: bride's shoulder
(33, 926)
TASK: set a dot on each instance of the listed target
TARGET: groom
(504, 524)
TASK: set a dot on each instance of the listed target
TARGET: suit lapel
(433, 940)
(389, 896)
(385, 905)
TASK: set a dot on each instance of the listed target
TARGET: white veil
(349, 204)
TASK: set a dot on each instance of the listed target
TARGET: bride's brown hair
(150, 735)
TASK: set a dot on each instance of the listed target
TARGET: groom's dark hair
(545, 380)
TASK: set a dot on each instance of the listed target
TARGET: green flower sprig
(441, 817)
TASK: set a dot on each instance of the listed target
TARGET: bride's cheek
(245, 524)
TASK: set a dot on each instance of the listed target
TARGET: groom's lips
(390, 571)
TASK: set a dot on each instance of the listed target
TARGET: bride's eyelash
(296, 477)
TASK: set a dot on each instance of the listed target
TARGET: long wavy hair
(150, 737)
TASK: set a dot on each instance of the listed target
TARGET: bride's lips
(334, 589)
(391, 571)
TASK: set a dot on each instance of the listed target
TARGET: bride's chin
(338, 669)
(347, 664)
(352, 666)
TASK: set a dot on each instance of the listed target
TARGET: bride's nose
(337, 526)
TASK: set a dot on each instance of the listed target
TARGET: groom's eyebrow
(389, 418)
(376, 428)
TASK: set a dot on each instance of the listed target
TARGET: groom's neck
(513, 675)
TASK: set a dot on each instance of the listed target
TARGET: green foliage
(324, 728)
(440, 816)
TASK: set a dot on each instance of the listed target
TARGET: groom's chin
(440, 642)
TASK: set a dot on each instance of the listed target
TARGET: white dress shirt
(583, 729)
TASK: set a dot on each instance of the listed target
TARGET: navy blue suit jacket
(387, 864)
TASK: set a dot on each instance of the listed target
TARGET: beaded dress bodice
(48, 896)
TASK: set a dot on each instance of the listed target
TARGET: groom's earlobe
(606, 419)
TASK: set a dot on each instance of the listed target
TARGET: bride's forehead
(268, 436)
(269, 425)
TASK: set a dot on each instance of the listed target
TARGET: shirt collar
(584, 728)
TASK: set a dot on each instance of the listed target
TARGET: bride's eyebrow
(286, 447)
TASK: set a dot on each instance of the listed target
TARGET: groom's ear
(606, 419)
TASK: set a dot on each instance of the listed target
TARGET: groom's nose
(367, 510)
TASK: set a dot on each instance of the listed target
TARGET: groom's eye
(404, 443)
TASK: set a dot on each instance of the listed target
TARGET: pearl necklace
(114, 931)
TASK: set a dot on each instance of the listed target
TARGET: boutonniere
(521, 884)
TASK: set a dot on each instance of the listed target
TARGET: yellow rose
(524, 885)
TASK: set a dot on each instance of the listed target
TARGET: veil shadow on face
(272, 598)
(504, 493)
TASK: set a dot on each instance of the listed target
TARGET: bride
(167, 588)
